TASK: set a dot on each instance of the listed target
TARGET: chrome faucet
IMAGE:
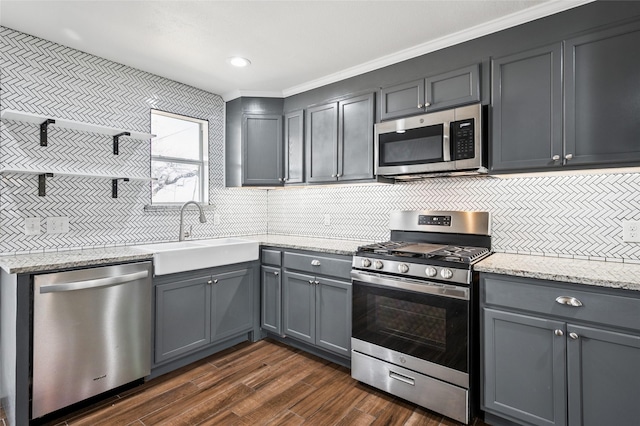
(203, 219)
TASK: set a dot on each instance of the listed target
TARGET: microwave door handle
(446, 143)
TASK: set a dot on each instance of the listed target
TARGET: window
(179, 158)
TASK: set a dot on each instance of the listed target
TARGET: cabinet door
(262, 149)
(271, 300)
(294, 147)
(299, 306)
(183, 312)
(232, 303)
(604, 378)
(453, 88)
(524, 368)
(333, 316)
(527, 110)
(602, 87)
(355, 138)
(321, 143)
(402, 100)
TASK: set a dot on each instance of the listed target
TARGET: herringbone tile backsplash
(559, 216)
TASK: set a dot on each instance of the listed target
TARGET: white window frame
(203, 162)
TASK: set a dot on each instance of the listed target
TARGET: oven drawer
(319, 265)
(560, 300)
(442, 397)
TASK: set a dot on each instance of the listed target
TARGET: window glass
(178, 158)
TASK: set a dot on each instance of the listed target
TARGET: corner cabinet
(447, 90)
(294, 147)
(197, 309)
(262, 150)
(316, 301)
(271, 291)
(596, 126)
(339, 140)
(558, 354)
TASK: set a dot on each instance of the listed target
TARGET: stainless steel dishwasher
(91, 333)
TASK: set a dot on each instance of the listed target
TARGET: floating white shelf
(44, 174)
(28, 117)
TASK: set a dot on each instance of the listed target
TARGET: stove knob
(446, 273)
(403, 268)
(431, 271)
(377, 264)
(366, 263)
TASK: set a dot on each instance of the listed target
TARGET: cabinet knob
(311, 282)
(334, 175)
(420, 106)
(574, 336)
(556, 157)
(209, 282)
(559, 332)
(427, 104)
(215, 281)
(276, 273)
(315, 262)
(316, 282)
(569, 301)
(338, 175)
(568, 156)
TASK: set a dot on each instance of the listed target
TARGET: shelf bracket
(116, 146)
(42, 183)
(114, 186)
(44, 127)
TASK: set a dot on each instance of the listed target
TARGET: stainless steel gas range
(415, 319)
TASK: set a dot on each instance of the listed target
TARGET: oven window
(414, 146)
(430, 327)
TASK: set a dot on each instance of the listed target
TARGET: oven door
(425, 320)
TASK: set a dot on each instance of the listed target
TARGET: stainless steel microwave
(442, 143)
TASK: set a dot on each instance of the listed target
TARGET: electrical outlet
(31, 226)
(57, 225)
(327, 220)
(216, 219)
(631, 231)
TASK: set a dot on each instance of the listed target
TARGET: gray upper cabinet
(602, 88)
(453, 88)
(527, 109)
(262, 150)
(294, 147)
(321, 142)
(339, 140)
(559, 354)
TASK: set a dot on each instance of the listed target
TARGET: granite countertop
(45, 261)
(588, 272)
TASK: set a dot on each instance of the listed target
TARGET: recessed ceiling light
(238, 61)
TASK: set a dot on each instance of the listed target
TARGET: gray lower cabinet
(196, 311)
(317, 310)
(271, 299)
(557, 354)
(339, 140)
(446, 90)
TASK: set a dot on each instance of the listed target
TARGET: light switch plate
(631, 231)
(57, 225)
(32, 226)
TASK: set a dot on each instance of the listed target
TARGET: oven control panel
(413, 270)
(434, 220)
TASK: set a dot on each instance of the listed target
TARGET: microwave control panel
(463, 140)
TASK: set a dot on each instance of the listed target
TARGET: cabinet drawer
(271, 257)
(543, 297)
(318, 264)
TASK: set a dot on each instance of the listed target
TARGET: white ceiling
(293, 45)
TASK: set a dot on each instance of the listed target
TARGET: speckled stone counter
(588, 272)
(324, 245)
(38, 262)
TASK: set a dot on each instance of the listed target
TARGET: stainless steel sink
(180, 256)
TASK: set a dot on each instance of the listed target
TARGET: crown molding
(229, 96)
(512, 20)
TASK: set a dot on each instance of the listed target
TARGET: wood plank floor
(263, 383)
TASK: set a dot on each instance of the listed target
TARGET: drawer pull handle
(315, 262)
(404, 379)
(569, 301)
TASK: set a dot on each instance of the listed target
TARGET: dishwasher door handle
(97, 283)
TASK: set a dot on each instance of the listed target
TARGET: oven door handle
(445, 290)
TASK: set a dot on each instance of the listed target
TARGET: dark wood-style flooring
(263, 383)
